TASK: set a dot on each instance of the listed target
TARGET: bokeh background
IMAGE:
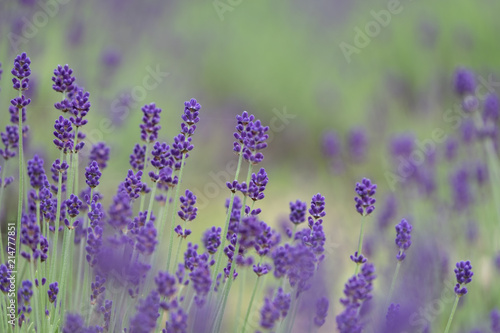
(283, 61)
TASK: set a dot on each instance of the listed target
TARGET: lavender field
(249, 166)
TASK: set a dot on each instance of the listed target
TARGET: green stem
(65, 271)
(233, 265)
(251, 302)
(56, 232)
(393, 283)
(452, 314)
(151, 201)
(75, 163)
(242, 285)
(21, 188)
(36, 294)
(226, 226)
(2, 187)
(177, 252)
(172, 220)
(360, 242)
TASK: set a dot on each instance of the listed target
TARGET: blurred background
(349, 88)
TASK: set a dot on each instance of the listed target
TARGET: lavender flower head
(321, 311)
(187, 210)
(491, 108)
(298, 211)
(403, 238)
(36, 173)
(92, 174)
(463, 273)
(100, 154)
(10, 140)
(133, 184)
(212, 239)
(52, 292)
(64, 134)
(80, 108)
(357, 143)
(365, 201)
(63, 79)
(190, 117)
(150, 125)
(21, 71)
(464, 82)
(250, 138)
(495, 321)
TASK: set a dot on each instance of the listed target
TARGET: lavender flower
(150, 125)
(298, 212)
(147, 313)
(187, 210)
(21, 71)
(165, 284)
(147, 239)
(212, 239)
(257, 185)
(388, 212)
(92, 174)
(73, 205)
(138, 157)
(403, 238)
(201, 282)
(495, 321)
(81, 107)
(52, 293)
(177, 322)
(461, 191)
(357, 144)
(133, 184)
(365, 202)
(463, 273)
(491, 109)
(358, 258)
(190, 117)
(63, 79)
(321, 311)
(10, 140)
(36, 173)
(106, 311)
(97, 288)
(464, 82)
(64, 135)
(5, 278)
(24, 295)
(100, 154)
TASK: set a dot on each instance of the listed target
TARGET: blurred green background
(269, 58)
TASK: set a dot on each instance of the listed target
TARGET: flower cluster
(365, 201)
(463, 273)
(403, 238)
(250, 138)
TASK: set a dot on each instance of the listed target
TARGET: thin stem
(151, 201)
(393, 283)
(76, 165)
(56, 232)
(178, 251)
(226, 226)
(2, 187)
(35, 293)
(68, 237)
(172, 220)
(360, 242)
(233, 264)
(21, 186)
(242, 285)
(251, 302)
(448, 325)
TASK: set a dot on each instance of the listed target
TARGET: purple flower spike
(188, 211)
(258, 185)
(73, 205)
(133, 184)
(92, 174)
(321, 311)
(63, 79)
(358, 259)
(365, 202)
(261, 269)
(212, 239)
(190, 117)
(137, 158)
(36, 173)
(463, 273)
(100, 154)
(64, 134)
(464, 82)
(147, 314)
(317, 209)
(81, 107)
(21, 71)
(150, 125)
(165, 284)
(161, 154)
(403, 238)
(147, 239)
(495, 321)
(298, 211)
(357, 144)
(10, 139)
(52, 292)
(491, 108)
